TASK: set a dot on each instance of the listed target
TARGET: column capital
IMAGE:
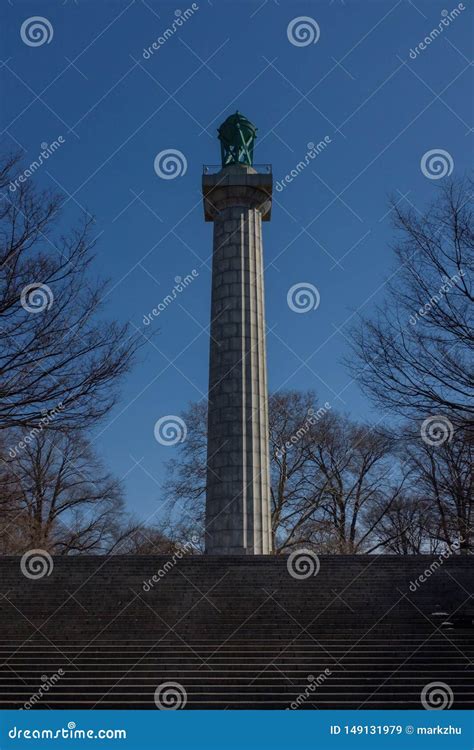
(237, 185)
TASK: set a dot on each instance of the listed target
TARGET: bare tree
(57, 355)
(293, 416)
(406, 527)
(185, 489)
(57, 496)
(357, 479)
(443, 477)
(140, 539)
(185, 486)
(417, 353)
(331, 480)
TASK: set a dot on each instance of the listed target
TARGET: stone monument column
(237, 199)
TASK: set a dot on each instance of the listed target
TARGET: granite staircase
(237, 632)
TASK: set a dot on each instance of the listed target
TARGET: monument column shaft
(238, 519)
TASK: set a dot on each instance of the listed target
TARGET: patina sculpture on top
(237, 136)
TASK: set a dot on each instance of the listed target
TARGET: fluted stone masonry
(237, 199)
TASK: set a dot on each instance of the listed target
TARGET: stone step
(236, 632)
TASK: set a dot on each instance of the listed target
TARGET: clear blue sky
(116, 110)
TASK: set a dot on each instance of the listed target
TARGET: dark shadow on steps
(236, 632)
